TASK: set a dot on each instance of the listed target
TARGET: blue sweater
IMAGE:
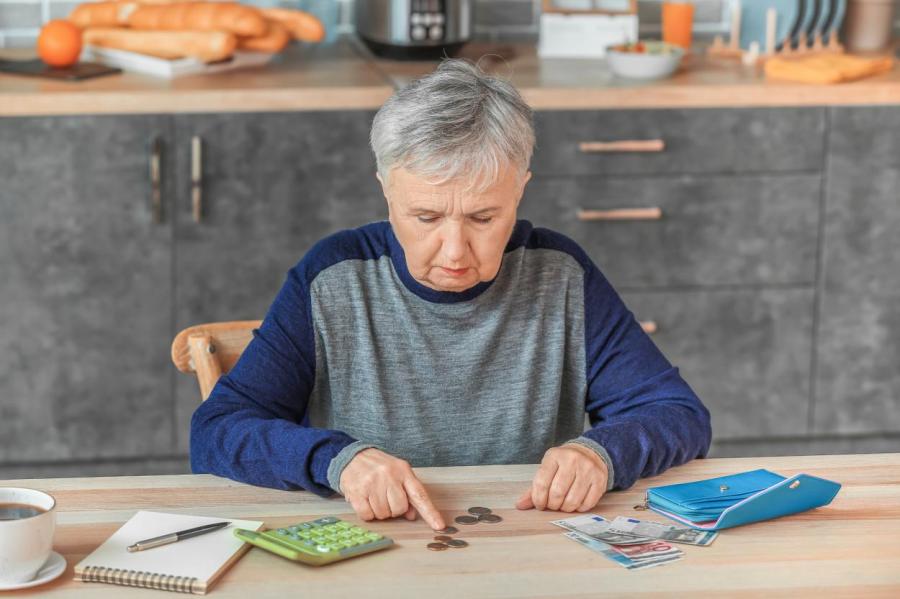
(355, 353)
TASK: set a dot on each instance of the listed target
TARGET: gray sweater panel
(498, 379)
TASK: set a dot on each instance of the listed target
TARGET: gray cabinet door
(714, 230)
(858, 370)
(85, 290)
(746, 353)
(709, 140)
(273, 185)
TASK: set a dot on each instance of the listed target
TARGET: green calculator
(317, 542)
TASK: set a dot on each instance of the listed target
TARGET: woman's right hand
(380, 486)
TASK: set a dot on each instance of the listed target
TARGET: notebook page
(198, 557)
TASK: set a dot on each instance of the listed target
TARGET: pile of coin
(476, 514)
(444, 541)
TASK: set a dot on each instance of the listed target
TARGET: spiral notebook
(189, 566)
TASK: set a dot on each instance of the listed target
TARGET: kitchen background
(495, 20)
(735, 274)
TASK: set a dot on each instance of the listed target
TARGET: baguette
(200, 16)
(302, 25)
(274, 40)
(101, 14)
(207, 46)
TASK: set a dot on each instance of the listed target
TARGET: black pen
(176, 536)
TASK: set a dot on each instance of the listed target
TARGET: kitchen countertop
(701, 82)
(848, 548)
(304, 77)
(343, 75)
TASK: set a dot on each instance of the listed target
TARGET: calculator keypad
(320, 541)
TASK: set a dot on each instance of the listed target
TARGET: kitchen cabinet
(858, 359)
(710, 230)
(714, 140)
(272, 185)
(784, 318)
(85, 290)
(92, 289)
(713, 239)
(745, 352)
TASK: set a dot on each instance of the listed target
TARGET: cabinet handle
(156, 179)
(649, 326)
(623, 145)
(197, 178)
(653, 213)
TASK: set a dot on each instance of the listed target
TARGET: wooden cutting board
(36, 68)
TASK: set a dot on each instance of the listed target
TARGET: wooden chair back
(211, 350)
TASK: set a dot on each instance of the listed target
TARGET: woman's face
(453, 239)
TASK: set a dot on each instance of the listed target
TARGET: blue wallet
(728, 501)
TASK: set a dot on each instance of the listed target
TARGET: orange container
(677, 23)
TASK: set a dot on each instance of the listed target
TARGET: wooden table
(849, 548)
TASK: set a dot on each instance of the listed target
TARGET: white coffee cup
(26, 543)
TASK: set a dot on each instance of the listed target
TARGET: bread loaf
(275, 39)
(302, 25)
(207, 46)
(101, 14)
(200, 16)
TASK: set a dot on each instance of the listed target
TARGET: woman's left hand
(571, 478)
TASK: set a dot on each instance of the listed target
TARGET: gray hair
(454, 122)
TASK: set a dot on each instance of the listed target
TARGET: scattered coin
(450, 530)
(490, 518)
(437, 546)
(443, 538)
(477, 511)
(465, 519)
(457, 543)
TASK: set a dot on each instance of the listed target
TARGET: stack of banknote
(631, 543)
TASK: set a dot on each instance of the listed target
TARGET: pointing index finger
(418, 497)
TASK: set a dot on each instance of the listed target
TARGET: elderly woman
(452, 334)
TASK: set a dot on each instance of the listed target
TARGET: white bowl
(660, 60)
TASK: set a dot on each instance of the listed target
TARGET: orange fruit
(59, 43)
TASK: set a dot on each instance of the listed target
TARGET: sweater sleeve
(644, 416)
(251, 428)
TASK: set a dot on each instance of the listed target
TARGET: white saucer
(54, 566)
